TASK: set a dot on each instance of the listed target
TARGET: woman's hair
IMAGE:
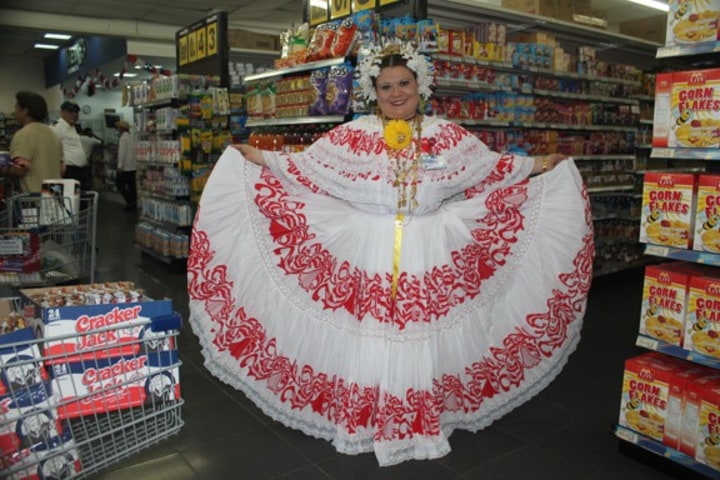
(34, 104)
(392, 60)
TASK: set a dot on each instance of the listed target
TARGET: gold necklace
(404, 154)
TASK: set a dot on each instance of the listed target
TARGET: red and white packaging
(707, 214)
(702, 320)
(667, 213)
(92, 386)
(692, 22)
(662, 314)
(60, 462)
(694, 394)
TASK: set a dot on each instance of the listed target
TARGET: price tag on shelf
(647, 342)
(658, 250)
(627, 435)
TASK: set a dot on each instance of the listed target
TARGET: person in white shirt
(76, 165)
(89, 140)
(125, 179)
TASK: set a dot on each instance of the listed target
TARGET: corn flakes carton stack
(702, 321)
(692, 22)
(688, 373)
(707, 434)
(645, 395)
(667, 213)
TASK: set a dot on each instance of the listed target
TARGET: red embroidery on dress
(349, 405)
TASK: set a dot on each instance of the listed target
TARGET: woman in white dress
(395, 281)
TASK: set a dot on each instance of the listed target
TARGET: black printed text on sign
(339, 8)
(201, 44)
(212, 39)
(317, 14)
(359, 5)
(192, 47)
(183, 50)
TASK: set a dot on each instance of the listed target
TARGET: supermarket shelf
(297, 69)
(604, 157)
(673, 350)
(615, 188)
(674, 169)
(616, 217)
(688, 153)
(706, 258)
(645, 146)
(645, 122)
(620, 266)
(272, 122)
(643, 98)
(664, 451)
(540, 125)
(682, 50)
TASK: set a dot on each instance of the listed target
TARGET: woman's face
(397, 92)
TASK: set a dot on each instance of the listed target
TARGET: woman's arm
(546, 163)
(251, 153)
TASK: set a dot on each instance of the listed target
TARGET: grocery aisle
(561, 434)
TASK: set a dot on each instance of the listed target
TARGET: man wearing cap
(76, 165)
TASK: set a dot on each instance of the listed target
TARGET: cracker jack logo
(646, 374)
(664, 277)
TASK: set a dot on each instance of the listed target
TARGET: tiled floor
(563, 433)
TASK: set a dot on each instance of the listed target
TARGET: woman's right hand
(255, 155)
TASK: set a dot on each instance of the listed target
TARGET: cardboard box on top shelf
(545, 8)
(252, 40)
(651, 28)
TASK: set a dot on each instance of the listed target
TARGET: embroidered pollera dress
(384, 332)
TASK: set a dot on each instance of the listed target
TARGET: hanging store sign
(321, 11)
(202, 48)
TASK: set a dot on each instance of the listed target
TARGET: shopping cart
(46, 240)
(67, 412)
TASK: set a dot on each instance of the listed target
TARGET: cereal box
(707, 448)
(645, 394)
(707, 215)
(702, 321)
(667, 209)
(677, 396)
(694, 393)
(692, 21)
(663, 303)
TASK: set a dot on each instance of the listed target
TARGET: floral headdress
(368, 68)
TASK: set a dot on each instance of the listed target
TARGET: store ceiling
(22, 22)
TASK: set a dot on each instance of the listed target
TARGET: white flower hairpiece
(368, 68)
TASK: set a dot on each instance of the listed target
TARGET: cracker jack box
(37, 432)
(692, 22)
(645, 394)
(92, 386)
(59, 463)
(59, 201)
(667, 212)
(82, 332)
(687, 109)
(702, 322)
(707, 214)
(24, 382)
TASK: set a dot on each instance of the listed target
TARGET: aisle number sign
(198, 42)
(319, 11)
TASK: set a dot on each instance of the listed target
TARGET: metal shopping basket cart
(69, 412)
(47, 240)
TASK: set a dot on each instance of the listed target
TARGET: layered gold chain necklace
(404, 153)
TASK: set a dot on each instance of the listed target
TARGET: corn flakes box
(645, 394)
(695, 109)
(695, 391)
(667, 212)
(707, 215)
(687, 374)
(662, 313)
(707, 448)
(702, 322)
(692, 21)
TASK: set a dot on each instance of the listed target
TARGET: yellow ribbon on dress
(397, 249)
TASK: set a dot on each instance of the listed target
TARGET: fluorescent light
(58, 36)
(319, 3)
(126, 75)
(657, 5)
(46, 46)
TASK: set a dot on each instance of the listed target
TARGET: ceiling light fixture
(126, 75)
(46, 46)
(58, 36)
(657, 5)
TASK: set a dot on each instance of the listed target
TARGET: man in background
(76, 165)
(125, 179)
(36, 152)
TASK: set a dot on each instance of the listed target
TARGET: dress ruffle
(290, 296)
